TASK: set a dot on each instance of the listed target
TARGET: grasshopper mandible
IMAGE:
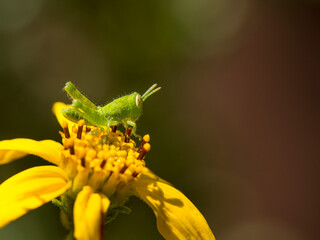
(124, 110)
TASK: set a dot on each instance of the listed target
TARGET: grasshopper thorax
(128, 107)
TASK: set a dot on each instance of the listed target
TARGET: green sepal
(114, 211)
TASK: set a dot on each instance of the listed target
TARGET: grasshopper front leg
(134, 128)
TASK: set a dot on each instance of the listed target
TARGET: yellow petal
(88, 212)
(11, 150)
(30, 189)
(147, 173)
(57, 107)
(177, 217)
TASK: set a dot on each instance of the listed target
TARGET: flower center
(107, 164)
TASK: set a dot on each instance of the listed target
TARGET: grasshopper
(124, 110)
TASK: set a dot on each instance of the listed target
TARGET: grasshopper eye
(138, 100)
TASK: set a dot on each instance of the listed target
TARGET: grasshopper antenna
(150, 91)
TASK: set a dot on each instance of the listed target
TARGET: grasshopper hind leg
(74, 116)
(74, 93)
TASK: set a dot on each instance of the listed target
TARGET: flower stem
(70, 236)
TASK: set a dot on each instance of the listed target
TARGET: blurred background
(235, 126)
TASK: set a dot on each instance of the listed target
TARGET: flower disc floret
(108, 164)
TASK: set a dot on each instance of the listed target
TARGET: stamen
(66, 129)
(71, 150)
(146, 148)
(123, 169)
(83, 162)
(128, 134)
(103, 163)
(106, 167)
(80, 128)
(114, 128)
(146, 139)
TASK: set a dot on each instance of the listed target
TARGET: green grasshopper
(125, 110)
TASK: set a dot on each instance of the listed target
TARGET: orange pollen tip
(81, 123)
(64, 124)
(146, 148)
(145, 139)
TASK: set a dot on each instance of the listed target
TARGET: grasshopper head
(138, 100)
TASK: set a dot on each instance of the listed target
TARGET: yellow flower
(92, 180)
